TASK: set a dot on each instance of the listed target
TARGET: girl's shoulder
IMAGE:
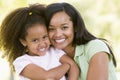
(25, 56)
(54, 50)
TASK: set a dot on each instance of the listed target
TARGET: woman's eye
(64, 28)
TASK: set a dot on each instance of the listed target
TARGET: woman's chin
(59, 46)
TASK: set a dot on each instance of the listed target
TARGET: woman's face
(61, 30)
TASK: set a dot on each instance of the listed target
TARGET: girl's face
(37, 40)
(61, 32)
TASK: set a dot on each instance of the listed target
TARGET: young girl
(25, 42)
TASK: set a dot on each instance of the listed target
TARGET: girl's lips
(60, 40)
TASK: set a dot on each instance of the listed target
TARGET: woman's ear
(23, 42)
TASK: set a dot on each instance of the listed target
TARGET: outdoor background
(102, 18)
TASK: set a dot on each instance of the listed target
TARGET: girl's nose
(42, 44)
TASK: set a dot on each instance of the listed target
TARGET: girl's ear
(23, 42)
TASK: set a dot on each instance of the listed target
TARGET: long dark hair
(14, 27)
(81, 34)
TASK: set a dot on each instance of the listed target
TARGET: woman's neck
(70, 51)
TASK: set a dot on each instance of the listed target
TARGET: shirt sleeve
(96, 46)
(20, 63)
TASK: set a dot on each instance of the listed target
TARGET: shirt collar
(79, 50)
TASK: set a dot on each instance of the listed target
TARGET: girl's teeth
(59, 41)
(42, 49)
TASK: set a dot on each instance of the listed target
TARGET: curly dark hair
(14, 27)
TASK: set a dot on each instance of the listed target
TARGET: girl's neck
(70, 51)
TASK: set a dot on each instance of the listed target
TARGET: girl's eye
(45, 37)
(34, 40)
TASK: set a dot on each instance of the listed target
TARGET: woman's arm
(98, 67)
(35, 72)
(73, 73)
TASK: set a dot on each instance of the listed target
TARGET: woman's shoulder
(95, 41)
(96, 45)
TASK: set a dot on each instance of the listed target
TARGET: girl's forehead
(36, 28)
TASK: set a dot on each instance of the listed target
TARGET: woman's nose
(58, 33)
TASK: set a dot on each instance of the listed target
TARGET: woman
(67, 31)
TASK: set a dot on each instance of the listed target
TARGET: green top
(84, 53)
